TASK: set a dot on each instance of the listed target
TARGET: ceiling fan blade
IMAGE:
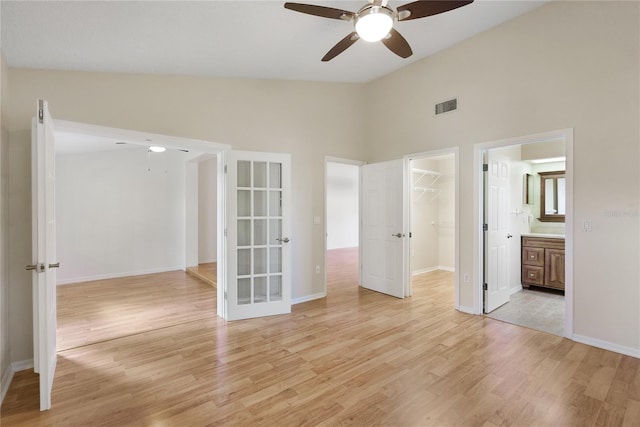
(397, 44)
(322, 11)
(341, 46)
(424, 8)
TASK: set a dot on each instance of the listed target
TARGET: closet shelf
(424, 190)
(432, 174)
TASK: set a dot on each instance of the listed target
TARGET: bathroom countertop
(548, 235)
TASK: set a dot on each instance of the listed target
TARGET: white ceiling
(247, 39)
(69, 142)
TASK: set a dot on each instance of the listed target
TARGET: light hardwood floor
(207, 272)
(103, 310)
(354, 358)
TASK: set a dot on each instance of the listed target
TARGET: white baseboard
(22, 365)
(514, 290)
(308, 298)
(430, 269)
(633, 352)
(464, 309)
(117, 275)
(7, 376)
(6, 382)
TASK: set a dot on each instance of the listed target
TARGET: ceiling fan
(374, 21)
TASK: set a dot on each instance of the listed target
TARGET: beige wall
(564, 65)
(506, 88)
(308, 120)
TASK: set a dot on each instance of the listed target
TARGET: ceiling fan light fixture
(373, 23)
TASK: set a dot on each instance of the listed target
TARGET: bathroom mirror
(527, 191)
(552, 196)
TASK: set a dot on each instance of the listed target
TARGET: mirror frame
(543, 216)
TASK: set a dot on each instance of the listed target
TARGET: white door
(383, 231)
(44, 251)
(497, 236)
(259, 240)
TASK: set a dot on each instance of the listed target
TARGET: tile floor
(535, 309)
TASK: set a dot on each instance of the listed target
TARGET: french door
(259, 241)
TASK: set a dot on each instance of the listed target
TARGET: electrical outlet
(317, 269)
(465, 277)
(586, 225)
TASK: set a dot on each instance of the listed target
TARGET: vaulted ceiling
(245, 39)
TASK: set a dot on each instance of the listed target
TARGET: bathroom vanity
(543, 261)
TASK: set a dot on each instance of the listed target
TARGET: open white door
(258, 234)
(496, 252)
(383, 231)
(44, 251)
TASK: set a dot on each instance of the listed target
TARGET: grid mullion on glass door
(253, 210)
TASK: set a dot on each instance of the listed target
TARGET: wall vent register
(446, 106)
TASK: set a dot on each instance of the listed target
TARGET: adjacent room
(120, 228)
(535, 235)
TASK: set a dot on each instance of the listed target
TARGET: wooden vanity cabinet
(543, 262)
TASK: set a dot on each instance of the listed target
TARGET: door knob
(56, 265)
(283, 240)
(398, 235)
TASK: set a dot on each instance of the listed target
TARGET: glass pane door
(261, 277)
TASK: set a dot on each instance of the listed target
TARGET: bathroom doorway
(524, 209)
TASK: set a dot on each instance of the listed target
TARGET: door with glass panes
(258, 234)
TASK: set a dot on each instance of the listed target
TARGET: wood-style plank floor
(355, 357)
(103, 310)
(207, 272)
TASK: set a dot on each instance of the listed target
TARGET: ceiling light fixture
(549, 160)
(157, 149)
(373, 23)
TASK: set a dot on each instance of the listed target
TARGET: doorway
(433, 219)
(526, 239)
(202, 218)
(119, 210)
(342, 242)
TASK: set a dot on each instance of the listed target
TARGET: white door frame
(204, 147)
(425, 154)
(329, 159)
(478, 249)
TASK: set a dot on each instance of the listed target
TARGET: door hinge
(485, 286)
(38, 268)
(225, 168)
(225, 232)
(409, 234)
(485, 227)
(485, 167)
(225, 295)
(40, 111)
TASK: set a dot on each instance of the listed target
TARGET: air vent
(446, 106)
